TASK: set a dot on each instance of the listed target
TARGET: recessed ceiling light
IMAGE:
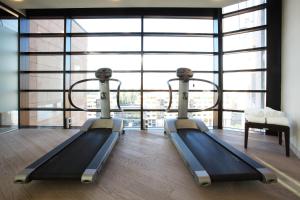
(17, 0)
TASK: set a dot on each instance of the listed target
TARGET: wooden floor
(142, 166)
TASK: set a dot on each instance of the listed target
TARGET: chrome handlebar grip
(193, 79)
(93, 79)
(170, 93)
(118, 92)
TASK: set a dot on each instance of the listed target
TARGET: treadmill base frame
(199, 173)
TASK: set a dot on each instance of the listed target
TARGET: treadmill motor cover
(103, 123)
(185, 124)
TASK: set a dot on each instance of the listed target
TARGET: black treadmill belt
(219, 163)
(71, 162)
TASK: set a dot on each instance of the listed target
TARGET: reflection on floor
(142, 166)
(7, 129)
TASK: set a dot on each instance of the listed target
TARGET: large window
(41, 76)
(170, 43)
(144, 52)
(244, 60)
(8, 72)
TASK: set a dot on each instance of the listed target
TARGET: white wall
(290, 91)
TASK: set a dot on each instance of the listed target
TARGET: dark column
(274, 12)
(274, 54)
(220, 66)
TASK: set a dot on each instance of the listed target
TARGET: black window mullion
(19, 69)
(245, 10)
(246, 70)
(142, 73)
(220, 65)
(64, 73)
(246, 30)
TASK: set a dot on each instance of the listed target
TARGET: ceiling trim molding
(102, 12)
(11, 11)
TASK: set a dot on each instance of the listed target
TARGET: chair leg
(280, 137)
(287, 142)
(246, 135)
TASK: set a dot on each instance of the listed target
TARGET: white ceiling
(40, 4)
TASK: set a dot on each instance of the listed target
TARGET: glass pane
(154, 119)
(178, 25)
(130, 100)
(42, 63)
(197, 85)
(42, 26)
(130, 81)
(41, 100)
(125, 43)
(8, 72)
(43, 44)
(248, 60)
(172, 62)
(243, 100)
(41, 118)
(115, 62)
(202, 100)
(106, 25)
(131, 119)
(184, 44)
(160, 100)
(8, 120)
(74, 77)
(9, 25)
(245, 81)
(41, 81)
(79, 117)
(234, 120)
(206, 116)
(243, 5)
(91, 100)
(245, 41)
(158, 81)
(247, 20)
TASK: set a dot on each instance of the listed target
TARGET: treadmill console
(103, 74)
(184, 74)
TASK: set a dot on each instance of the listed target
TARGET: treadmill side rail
(268, 175)
(118, 125)
(203, 178)
(198, 171)
(87, 124)
(23, 176)
(170, 125)
(90, 173)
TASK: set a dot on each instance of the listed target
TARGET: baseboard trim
(295, 150)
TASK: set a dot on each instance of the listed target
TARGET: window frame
(216, 14)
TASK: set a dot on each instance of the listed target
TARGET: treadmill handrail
(193, 79)
(93, 79)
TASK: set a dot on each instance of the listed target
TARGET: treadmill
(82, 156)
(208, 158)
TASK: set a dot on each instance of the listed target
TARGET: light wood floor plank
(141, 167)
